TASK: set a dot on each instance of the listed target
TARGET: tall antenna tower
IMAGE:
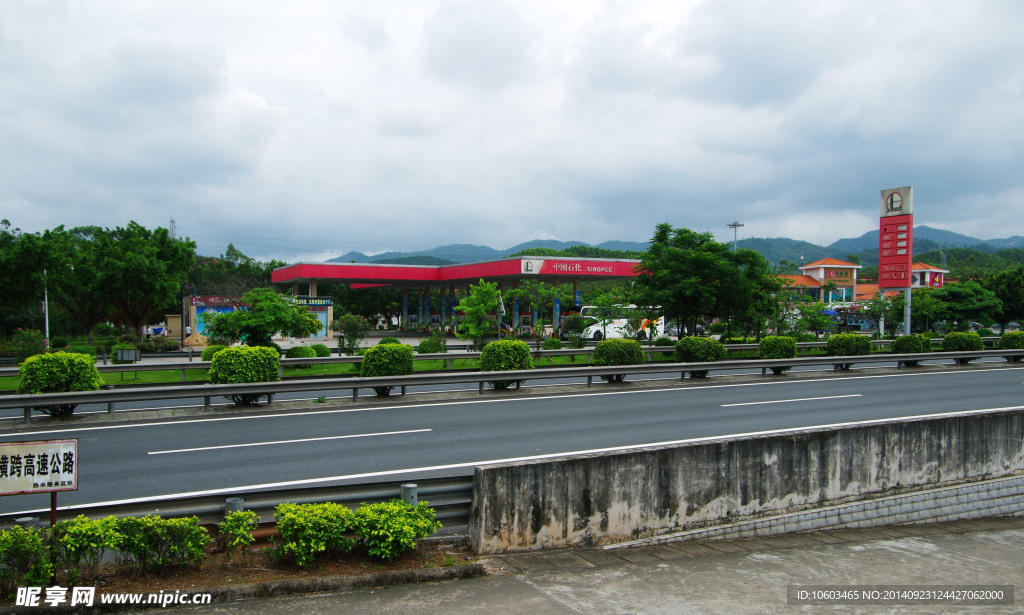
(173, 230)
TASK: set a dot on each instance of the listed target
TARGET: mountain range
(865, 247)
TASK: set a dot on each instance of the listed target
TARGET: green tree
(76, 284)
(967, 301)
(477, 324)
(877, 309)
(1008, 287)
(813, 318)
(925, 309)
(264, 312)
(231, 274)
(142, 270)
(23, 258)
(353, 330)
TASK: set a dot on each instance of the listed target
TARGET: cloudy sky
(301, 130)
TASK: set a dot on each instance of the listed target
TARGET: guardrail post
(280, 370)
(110, 406)
(355, 393)
(449, 363)
(183, 373)
(28, 414)
(206, 402)
(590, 380)
(403, 390)
(410, 493)
(270, 398)
(233, 505)
(481, 387)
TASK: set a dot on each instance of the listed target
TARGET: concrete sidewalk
(734, 576)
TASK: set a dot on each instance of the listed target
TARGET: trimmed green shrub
(777, 347)
(699, 350)
(664, 341)
(321, 350)
(389, 529)
(505, 355)
(27, 343)
(552, 343)
(81, 543)
(956, 341)
(307, 530)
(127, 338)
(24, 559)
(389, 340)
(847, 345)
(386, 360)
(1012, 340)
(58, 372)
(909, 344)
(981, 332)
(574, 327)
(617, 352)
(436, 343)
(153, 543)
(245, 364)
(209, 351)
(236, 532)
(300, 352)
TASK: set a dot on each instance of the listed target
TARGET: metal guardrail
(450, 498)
(208, 391)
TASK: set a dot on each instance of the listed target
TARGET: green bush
(436, 343)
(909, 344)
(127, 338)
(957, 341)
(27, 343)
(552, 343)
(847, 345)
(505, 355)
(386, 360)
(389, 340)
(389, 529)
(664, 341)
(209, 351)
(162, 343)
(58, 342)
(1012, 340)
(574, 327)
(58, 372)
(699, 350)
(321, 350)
(981, 332)
(307, 530)
(82, 543)
(962, 340)
(236, 531)
(83, 349)
(300, 352)
(245, 364)
(152, 543)
(777, 347)
(617, 352)
(24, 560)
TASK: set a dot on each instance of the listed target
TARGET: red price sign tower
(895, 243)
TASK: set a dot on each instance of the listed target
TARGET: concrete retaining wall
(620, 497)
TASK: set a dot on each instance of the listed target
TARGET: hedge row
(74, 549)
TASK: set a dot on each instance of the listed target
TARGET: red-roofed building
(817, 275)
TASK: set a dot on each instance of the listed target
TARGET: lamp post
(734, 226)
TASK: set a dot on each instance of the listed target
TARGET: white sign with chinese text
(38, 467)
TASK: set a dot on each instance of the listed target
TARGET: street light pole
(734, 226)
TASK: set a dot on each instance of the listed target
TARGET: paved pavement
(734, 576)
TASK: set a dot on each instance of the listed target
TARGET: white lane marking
(784, 401)
(359, 435)
(489, 462)
(484, 401)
